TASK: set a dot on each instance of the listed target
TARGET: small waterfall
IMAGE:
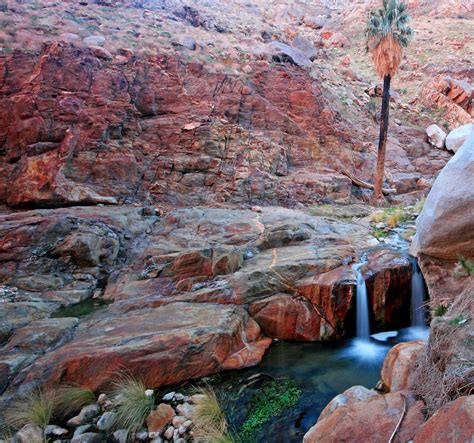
(418, 295)
(362, 305)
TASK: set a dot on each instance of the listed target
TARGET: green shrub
(71, 398)
(36, 408)
(467, 265)
(440, 310)
(131, 403)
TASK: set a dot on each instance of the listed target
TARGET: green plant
(275, 397)
(379, 233)
(71, 398)
(131, 402)
(460, 320)
(467, 265)
(209, 418)
(36, 408)
(440, 310)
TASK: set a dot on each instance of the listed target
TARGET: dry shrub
(387, 56)
(446, 371)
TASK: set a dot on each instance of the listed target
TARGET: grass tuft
(71, 398)
(209, 418)
(132, 405)
(37, 408)
(440, 311)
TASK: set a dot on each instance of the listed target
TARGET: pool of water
(81, 309)
(321, 371)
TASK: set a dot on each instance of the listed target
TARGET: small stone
(169, 396)
(149, 393)
(198, 397)
(94, 40)
(142, 435)
(176, 435)
(182, 430)
(169, 433)
(55, 430)
(188, 42)
(106, 421)
(29, 434)
(188, 424)
(256, 209)
(178, 421)
(157, 440)
(180, 440)
(88, 437)
(179, 397)
(161, 416)
(121, 435)
(185, 409)
(102, 399)
(81, 430)
(436, 136)
(85, 416)
(100, 52)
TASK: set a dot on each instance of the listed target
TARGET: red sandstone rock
(400, 364)
(164, 345)
(454, 422)
(373, 419)
(160, 417)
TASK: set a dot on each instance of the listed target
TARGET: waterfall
(417, 309)
(362, 304)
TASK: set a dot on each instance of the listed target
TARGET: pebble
(179, 397)
(81, 430)
(169, 433)
(88, 437)
(106, 421)
(169, 396)
(121, 435)
(185, 409)
(55, 430)
(142, 435)
(86, 415)
(178, 420)
(102, 399)
(149, 393)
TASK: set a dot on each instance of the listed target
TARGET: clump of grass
(209, 418)
(379, 233)
(36, 408)
(392, 217)
(274, 398)
(132, 405)
(460, 320)
(440, 311)
(467, 265)
(419, 205)
(71, 398)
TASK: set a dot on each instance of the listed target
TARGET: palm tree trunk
(379, 171)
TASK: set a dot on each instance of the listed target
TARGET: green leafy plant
(36, 408)
(131, 402)
(467, 265)
(274, 398)
(71, 398)
(209, 418)
(460, 320)
(440, 310)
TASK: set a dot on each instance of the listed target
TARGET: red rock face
(79, 129)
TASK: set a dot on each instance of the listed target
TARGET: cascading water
(418, 294)
(362, 305)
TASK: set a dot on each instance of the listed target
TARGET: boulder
(29, 434)
(284, 53)
(445, 225)
(454, 422)
(436, 136)
(400, 364)
(164, 345)
(372, 419)
(458, 136)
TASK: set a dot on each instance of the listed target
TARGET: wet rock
(159, 418)
(454, 422)
(458, 136)
(451, 198)
(436, 136)
(373, 419)
(400, 364)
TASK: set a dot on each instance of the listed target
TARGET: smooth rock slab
(458, 136)
(160, 346)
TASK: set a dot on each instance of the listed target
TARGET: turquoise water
(321, 371)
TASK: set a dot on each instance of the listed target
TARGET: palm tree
(387, 32)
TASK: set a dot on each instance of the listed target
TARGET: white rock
(179, 397)
(169, 396)
(185, 409)
(458, 136)
(142, 435)
(149, 392)
(55, 430)
(121, 435)
(102, 399)
(436, 136)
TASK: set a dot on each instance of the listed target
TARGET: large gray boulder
(458, 136)
(445, 227)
